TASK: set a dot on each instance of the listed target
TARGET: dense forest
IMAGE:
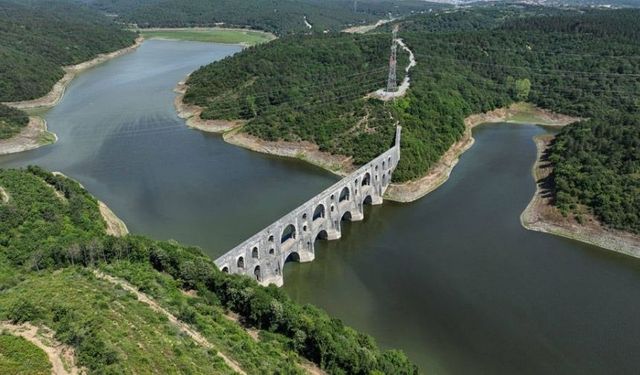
(37, 39)
(583, 63)
(52, 237)
(11, 121)
(278, 16)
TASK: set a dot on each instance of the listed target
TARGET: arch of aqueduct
(262, 256)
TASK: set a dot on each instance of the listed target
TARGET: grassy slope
(20, 357)
(211, 35)
(52, 239)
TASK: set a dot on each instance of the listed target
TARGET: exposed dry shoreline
(115, 226)
(438, 174)
(52, 98)
(540, 214)
(35, 134)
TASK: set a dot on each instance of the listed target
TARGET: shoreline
(53, 97)
(339, 165)
(267, 35)
(541, 216)
(114, 225)
(34, 135)
(516, 113)
(342, 165)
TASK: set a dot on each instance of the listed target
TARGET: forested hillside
(37, 39)
(53, 249)
(278, 16)
(583, 63)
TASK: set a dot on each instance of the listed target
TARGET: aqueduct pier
(292, 237)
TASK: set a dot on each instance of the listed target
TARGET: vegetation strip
(245, 37)
(195, 335)
(541, 215)
(60, 356)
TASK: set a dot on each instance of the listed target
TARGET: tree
(523, 87)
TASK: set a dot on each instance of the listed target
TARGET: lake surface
(452, 279)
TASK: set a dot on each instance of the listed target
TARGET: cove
(452, 279)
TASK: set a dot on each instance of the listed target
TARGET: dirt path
(384, 95)
(34, 135)
(195, 335)
(4, 196)
(62, 357)
(365, 28)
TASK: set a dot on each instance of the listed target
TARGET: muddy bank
(439, 173)
(307, 151)
(115, 226)
(53, 97)
(542, 216)
(191, 114)
(34, 135)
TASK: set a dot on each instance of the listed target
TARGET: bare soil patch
(4, 196)
(307, 151)
(62, 357)
(34, 135)
(115, 226)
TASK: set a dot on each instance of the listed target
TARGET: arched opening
(254, 253)
(322, 235)
(240, 263)
(304, 216)
(384, 179)
(346, 216)
(319, 212)
(344, 195)
(272, 251)
(389, 161)
(293, 257)
(288, 233)
(225, 269)
(271, 238)
(257, 274)
(366, 180)
(278, 269)
(384, 165)
(367, 200)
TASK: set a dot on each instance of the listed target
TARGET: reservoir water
(452, 279)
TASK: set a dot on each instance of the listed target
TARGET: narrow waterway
(452, 279)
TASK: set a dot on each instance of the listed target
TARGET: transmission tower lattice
(392, 85)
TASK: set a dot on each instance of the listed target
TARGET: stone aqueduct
(292, 237)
